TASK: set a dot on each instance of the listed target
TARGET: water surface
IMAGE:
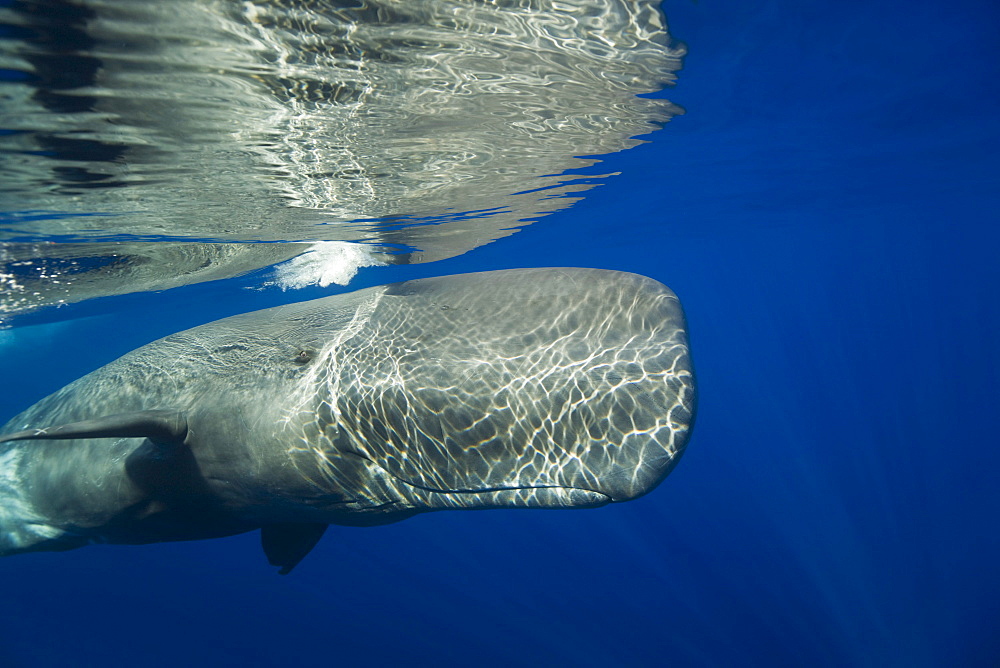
(165, 143)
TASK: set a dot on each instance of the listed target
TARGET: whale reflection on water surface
(156, 142)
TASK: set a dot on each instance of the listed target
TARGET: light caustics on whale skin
(434, 127)
(459, 424)
(535, 388)
(435, 394)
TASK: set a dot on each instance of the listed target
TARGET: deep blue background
(827, 211)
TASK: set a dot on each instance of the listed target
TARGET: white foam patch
(324, 263)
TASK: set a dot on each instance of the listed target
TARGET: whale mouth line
(604, 498)
(487, 490)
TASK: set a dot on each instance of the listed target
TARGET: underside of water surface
(146, 145)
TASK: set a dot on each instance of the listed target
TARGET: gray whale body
(531, 388)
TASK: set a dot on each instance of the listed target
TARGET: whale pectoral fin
(287, 544)
(166, 427)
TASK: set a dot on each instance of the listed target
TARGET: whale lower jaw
(414, 497)
(527, 496)
(518, 497)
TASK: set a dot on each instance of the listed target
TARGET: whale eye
(303, 357)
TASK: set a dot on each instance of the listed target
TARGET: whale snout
(616, 445)
(581, 395)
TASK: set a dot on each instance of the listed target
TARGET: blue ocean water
(826, 210)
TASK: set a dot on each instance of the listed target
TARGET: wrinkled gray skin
(541, 388)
